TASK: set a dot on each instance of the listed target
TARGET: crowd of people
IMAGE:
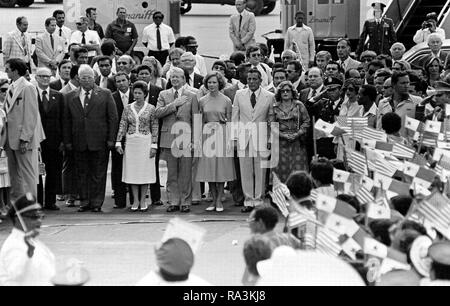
(355, 132)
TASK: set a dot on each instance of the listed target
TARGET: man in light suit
(24, 130)
(253, 106)
(242, 27)
(343, 52)
(18, 43)
(89, 130)
(176, 108)
(49, 47)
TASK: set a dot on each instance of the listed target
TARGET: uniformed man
(327, 108)
(380, 32)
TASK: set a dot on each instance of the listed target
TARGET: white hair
(42, 69)
(174, 70)
(434, 36)
(189, 55)
(398, 44)
(128, 58)
(86, 69)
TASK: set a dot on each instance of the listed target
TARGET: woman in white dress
(140, 127)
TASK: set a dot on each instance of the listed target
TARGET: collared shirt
(66, 33)
(149, 36)
(372, 115)
(344, 64)
(125, 97)
(72, 86)
(103, 81)
(256, 92)
(303, 38)
(41, 91)
(422, 35)
(113, 67)
(191, 79)
(318, 91)
(91, 38)
(180, 91)
(83, 96)
(351, 109)
(122, 33)
(405, 108)
(17, 269)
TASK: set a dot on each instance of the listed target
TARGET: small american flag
(386, 168)
(402, 151)
(353, 125)
(364, 196)
(372, 134)
(439, 217)
(357, 162)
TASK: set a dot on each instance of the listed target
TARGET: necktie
(45, 100)
(24, 44)
(104, 83)
(10, 94)
(60, 32)
(158, 39)
(125, 99)
(253, 100)
(83, 40)
(240, 22)
(86, 100)
(52, 41)
(314, 92)
(175, 96)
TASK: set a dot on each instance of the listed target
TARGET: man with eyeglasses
(125, 64)
(51, 107)
(254, 57)
(158, 38)
(24, 259)
(87, 38)
(123, 32)
(192, 46)
(367, 57)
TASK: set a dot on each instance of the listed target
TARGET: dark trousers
(236, 186)
(155, 189)
(161, 56)
(92, 167)
(120, 188)
(69, 175)
(52, 159)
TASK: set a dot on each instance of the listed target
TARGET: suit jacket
(246, 34)
(44, 51)
(304, 94)
(198, 82)
(381, 36)
(170, 114)
(52, 118)
(57, 85)
(24, 122)
(91, 128)
(352, 64)
(13, 47)
(119, 104)
(153, 94)
(243, 113)
(110, 83)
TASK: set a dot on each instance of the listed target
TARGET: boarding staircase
(408, 16)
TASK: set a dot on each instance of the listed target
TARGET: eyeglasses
(122, 63)
(219, 68)
(351, 89)
(44, 76)
(256, 55)
(285, 90)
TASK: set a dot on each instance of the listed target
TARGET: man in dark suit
(90, 127)
(122, 97)
(105, 80)
(188, 62)
(51, 106)
(144, 73)
(64, 75)
(380, 30)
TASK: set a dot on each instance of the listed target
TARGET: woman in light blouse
(140, 127)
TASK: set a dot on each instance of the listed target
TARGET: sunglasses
(122, 63)
(285, 91)
(44, 76)
(256, 55)
(351, 89)
(3, 90)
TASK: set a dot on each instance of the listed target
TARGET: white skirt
(138, 168)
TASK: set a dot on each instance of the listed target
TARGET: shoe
(195, 203)
(144, 209)
(84, 209)
(211, 208)
(118, 207)
(185, 209)
(113, 195)
(132, 209)
(60, 198)
(173, 208)
(238, 204)
(220, 209)
(70, 203)
(247, 209)
(51, 207)
(158, 203)
(97, 210)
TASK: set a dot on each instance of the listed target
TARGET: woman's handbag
(42, 171)
(3, 162)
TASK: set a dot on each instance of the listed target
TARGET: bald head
(43, 76)
(86, 75)
(188, 62)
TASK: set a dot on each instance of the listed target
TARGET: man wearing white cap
(24, 260)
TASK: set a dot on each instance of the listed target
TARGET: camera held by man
(429, 26)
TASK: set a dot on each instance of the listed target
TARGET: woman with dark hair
(351, 108)
(293, 124)
(156, 76)
(433, 69)
(216, 163)
(140, 127)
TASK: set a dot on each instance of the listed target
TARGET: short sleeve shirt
(122, 33)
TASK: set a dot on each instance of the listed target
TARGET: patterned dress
(141, 131)
(292, 155)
